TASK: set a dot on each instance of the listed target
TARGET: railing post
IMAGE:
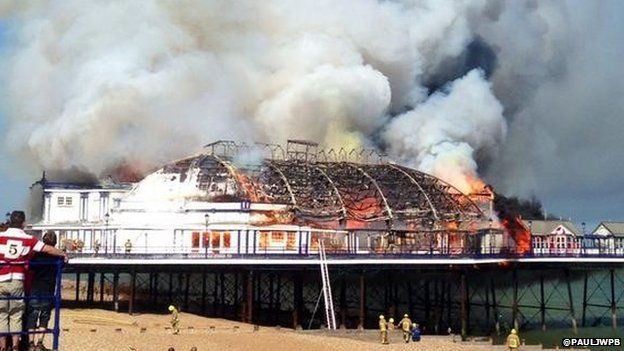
(57, 305)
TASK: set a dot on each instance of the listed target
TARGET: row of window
(267, 239)
(65, 201)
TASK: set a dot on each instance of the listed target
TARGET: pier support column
(437, 311)
(77, 287)
(570, 301)
(203, 296)
(102, 277)
(613, 302)
(514, 306)
(116, 291)
(487, 308)
(156, 290)
(222, 299)
(249, 293)
(448, 304)
(427, 303)
(362, 314)
(90, 287)
(343, 301)
(132, 292)
(410, 299)
(542, 303)
(584, 300)
(171, 288)
(495, 308)
(464, 305)
(298, 299)
(215, 294)
(186, 291)
(278, 297)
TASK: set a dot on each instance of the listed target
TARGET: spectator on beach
(16, 247)
(39, 307)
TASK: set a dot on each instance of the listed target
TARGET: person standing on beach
(383, 329)
(513, 341)
(415, 333)
(406, 326)
(175, 321)
(39, 308)
(16, 247)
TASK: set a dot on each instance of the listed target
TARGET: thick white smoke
(442, 135)
(97, 84)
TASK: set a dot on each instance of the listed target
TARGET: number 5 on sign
(13, 249)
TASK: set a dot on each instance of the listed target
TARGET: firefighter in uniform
(406, 326)
(383, 329)
(513, 341)
(128, 246)
(175, 321)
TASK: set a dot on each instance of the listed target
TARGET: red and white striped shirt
(16, 248)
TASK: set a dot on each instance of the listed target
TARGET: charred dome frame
(355, 190)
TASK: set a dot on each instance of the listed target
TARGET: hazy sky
(564, 114)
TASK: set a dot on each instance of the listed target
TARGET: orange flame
(249, 187)
(520, 233)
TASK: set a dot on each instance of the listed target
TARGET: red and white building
(554, 237)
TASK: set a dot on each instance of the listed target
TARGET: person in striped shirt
(16, 249)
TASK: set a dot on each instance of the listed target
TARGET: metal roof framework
(318, 188)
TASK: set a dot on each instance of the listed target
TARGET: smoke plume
(97, 84)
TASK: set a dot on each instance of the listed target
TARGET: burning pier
(234, 231)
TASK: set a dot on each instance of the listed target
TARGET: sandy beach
(105, 330)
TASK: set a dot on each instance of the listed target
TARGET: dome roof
(318, 191)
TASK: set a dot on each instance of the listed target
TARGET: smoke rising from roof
(97, 84)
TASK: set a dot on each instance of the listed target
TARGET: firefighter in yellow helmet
(513, 341)
(391, 324)
(175, 321)
(406, 327)
(383, 329)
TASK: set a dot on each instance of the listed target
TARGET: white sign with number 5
(13, 249)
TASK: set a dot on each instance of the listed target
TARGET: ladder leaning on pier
(327, 293)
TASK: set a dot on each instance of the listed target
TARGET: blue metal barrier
(55, 331)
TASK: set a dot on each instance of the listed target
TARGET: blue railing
(56, 298)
